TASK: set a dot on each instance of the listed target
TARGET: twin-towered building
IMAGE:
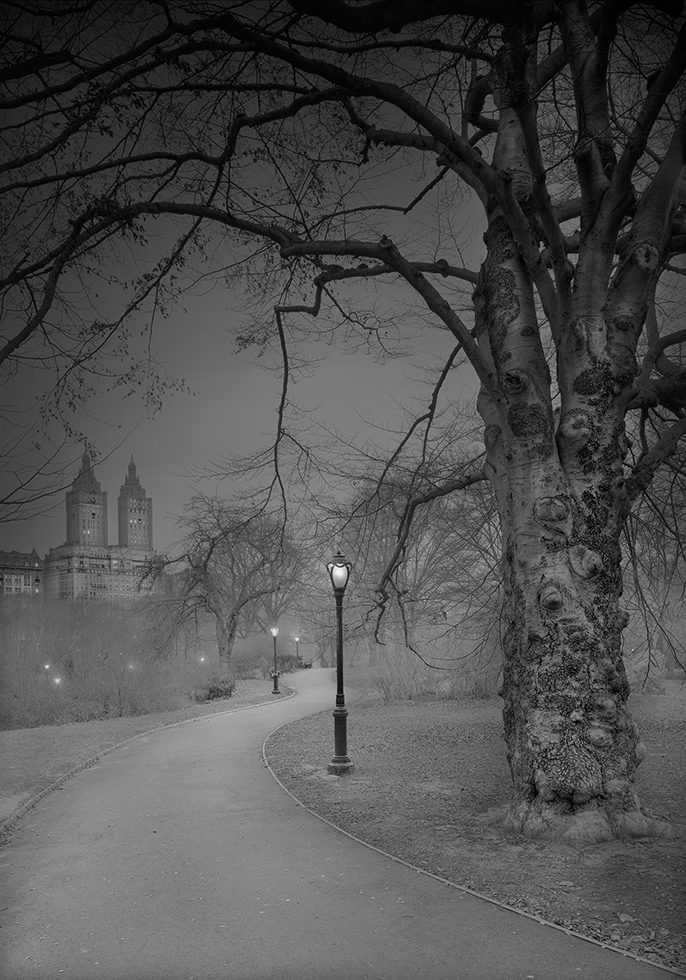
(87, 511)
(86, 566)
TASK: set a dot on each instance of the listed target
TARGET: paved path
(178, 857)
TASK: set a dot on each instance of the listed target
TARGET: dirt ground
(430, 786)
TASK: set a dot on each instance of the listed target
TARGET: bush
(286, 662)
(254, 670)
(215, 689)
(74, 661)
(399, 675)
(258, 666)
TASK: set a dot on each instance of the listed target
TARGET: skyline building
(86, 508)
(135, 513)
(86, 566)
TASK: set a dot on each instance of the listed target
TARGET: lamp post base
(339, 767)
(340, 764)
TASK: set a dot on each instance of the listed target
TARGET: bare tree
(331, 149)
(445, 559)
(237, 568)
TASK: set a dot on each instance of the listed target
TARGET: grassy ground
(31, 759)
(431, 784)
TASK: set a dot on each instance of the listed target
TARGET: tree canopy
(509, 175)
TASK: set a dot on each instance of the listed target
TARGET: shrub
(399, 675)
(214, 689)
(68, 661)
(286, 662)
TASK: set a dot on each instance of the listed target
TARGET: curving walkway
(178, 857)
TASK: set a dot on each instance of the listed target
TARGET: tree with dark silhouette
(239, 568)
(510, 174)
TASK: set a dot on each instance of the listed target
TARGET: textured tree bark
(573, 748)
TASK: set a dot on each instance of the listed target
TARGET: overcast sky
(232, 410)
(233, 405)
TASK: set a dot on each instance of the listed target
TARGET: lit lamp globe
(339, 573)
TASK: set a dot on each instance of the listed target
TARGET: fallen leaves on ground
(430, 786)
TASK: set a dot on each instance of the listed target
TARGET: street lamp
(275, 670)
(297, 647)
(339, 572)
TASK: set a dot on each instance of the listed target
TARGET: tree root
(590, 823)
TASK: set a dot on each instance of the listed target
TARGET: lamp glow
(339, 572)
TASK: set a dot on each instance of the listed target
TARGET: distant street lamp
(339, 572)
(297, 648)
(275, 669)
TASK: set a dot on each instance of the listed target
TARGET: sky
(231, 409)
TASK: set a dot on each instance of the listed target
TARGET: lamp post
(297, 647)
(275, 670)
(339, 573)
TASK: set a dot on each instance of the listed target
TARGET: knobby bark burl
(573, 747)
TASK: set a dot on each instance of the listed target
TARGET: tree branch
(643, 473)
(389, 15)
(461, 483)
(614, 204)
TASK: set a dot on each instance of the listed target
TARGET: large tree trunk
(572, 746)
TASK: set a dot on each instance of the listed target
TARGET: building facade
(86, 566)
(86, 509)
(21, 574)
